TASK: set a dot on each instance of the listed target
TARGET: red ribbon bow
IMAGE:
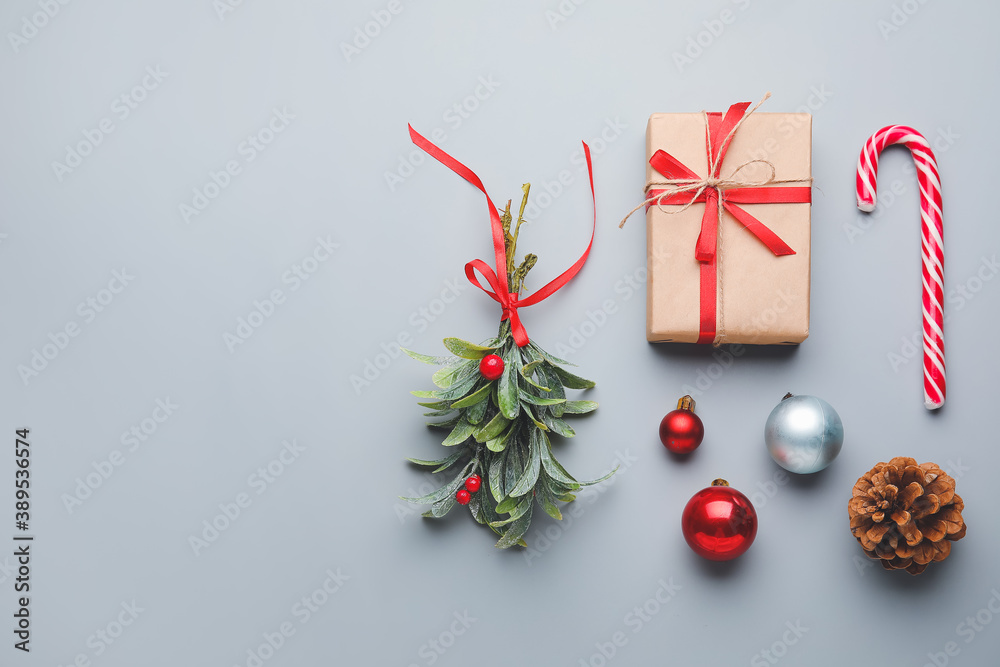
(718, 136)
(510, 302)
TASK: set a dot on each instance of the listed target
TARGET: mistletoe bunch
(501, 404)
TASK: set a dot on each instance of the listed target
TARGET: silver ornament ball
(804, 434)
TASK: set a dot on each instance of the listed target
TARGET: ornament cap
(787, 396)
(686, 403)
(719, 482)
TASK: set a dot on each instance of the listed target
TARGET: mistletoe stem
(520, 216)
(509, 242)
(515, 278)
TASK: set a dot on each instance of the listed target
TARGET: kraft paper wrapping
(762, 299)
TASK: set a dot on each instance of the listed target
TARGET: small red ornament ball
(463, 497)
(491, 367)
(473, 483)
(719, 522)
(681, 431)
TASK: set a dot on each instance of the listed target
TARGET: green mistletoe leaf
(548, 376)
(506, 506)
(425, 394)
(489, 513)
(547, 500)
(459, 389)
(440, 508)
(467, 350)
(436, 405)
(530, 367)
(448, 489)
(450, 423)
(475, 397)
(531, 416)
(553, 467)
(570, 380)
(557, 425)
(522, 508)
(516, 531)
(529, 370)
(599, 479)
(476, 507)
(538, 400)
(507, 389)
(477, 412)
(548, 357)
(579, 407)
(462, 432)
(442, 464)
(514, 464)
(497, 467)
(499, 443)
(426, 358)
(449, 375)
(526, 482)
(493, 428)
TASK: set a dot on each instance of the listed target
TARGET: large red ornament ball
(491, 367)
(681, 431)
(719, 522)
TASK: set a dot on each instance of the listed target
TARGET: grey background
(334, 507)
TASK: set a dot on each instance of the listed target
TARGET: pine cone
(906, 515)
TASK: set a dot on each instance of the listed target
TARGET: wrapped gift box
(760, 297)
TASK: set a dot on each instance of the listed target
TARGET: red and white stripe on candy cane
(931, 247)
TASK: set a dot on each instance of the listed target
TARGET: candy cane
(931, 247)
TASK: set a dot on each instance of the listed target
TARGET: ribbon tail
(723, 129)
(709, 236)
(517, 329)
(499, 248)
(760, 230)
(563, 278)
(708, 303)
(670, 167)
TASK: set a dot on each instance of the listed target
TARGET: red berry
(473, 483)
(491, 367)
(463, 497)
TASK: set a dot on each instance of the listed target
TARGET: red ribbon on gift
(720, 195)
(509, 301)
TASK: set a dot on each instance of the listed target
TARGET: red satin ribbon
(510, 302)
(718, 129)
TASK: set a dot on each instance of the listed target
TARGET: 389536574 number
(22, 476)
